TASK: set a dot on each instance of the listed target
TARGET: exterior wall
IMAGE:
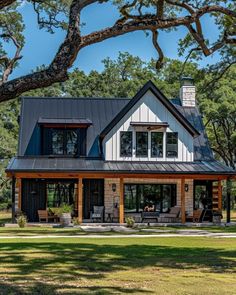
(110, 197)
(148, 109)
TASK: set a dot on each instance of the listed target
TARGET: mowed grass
(118, 266)
(5, 217)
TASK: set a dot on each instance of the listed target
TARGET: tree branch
(5, 3)
(74, 42)
(159, 62)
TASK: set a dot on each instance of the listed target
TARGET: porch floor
(144, 224)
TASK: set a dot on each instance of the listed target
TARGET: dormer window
(64, 137)
(64, 141)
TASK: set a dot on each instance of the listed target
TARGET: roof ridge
(75, 98)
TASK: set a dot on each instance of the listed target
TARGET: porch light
(113, 187)
(186, 187)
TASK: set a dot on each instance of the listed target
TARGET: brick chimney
(187, 92)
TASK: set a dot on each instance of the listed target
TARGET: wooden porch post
(228, 199)
(80, 200)
(18, 183)
(219, 195)
(183, 218)
(121, 200)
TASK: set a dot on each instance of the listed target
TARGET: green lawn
(5, 217)
(114, 266)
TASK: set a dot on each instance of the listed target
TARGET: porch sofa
(172, 216)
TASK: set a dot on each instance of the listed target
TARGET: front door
(93, 195)
(33, 198)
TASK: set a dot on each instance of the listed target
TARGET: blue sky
(41, 46)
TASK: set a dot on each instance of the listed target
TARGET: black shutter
(47, 141)
(82, 141)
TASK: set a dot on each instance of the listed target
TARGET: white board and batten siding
(148, 109)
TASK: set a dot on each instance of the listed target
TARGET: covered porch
(148, 198)
(123, 189)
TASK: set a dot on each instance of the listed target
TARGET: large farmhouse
(146, 157)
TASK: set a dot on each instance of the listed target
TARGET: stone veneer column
(110, 197)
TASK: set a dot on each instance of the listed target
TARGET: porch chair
(43, 215)
(98, 213)
(172, 216)
(197, 215)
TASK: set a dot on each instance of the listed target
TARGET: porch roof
(45, 164)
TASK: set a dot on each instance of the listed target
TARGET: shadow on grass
(40, 231)
(74, 261)
(49, 289)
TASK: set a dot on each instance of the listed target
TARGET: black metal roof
(45, 164)
(101, 112)
(98, 110)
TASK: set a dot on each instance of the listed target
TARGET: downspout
(100, 147)
(13, 198)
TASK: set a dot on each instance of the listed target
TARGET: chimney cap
(186, 81)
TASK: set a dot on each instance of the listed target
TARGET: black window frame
(177, 145)
(130, 154)
(157, 132)
(65, 141)
(46, 141)
(138, 155)
(138, 201)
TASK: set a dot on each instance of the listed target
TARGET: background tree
(151, 16)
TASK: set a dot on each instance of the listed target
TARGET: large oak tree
(150, 16)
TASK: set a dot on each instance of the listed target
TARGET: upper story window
(156, 144)
(126, 143)
(171, 144)
(141, 144)
(64, 141)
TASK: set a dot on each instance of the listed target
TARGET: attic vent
(188, 92)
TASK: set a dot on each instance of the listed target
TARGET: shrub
(65, 208)
(130, 221)
(21, 221)
(3, 206)
(75, 221)
(54, 211)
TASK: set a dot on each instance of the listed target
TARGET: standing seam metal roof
(100, 111)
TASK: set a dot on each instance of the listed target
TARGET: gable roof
(164, 100)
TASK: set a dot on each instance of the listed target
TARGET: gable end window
(157, 144)
(141, 144)
(126, 144)
(171, 144)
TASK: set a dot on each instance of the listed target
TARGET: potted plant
(65, 211)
